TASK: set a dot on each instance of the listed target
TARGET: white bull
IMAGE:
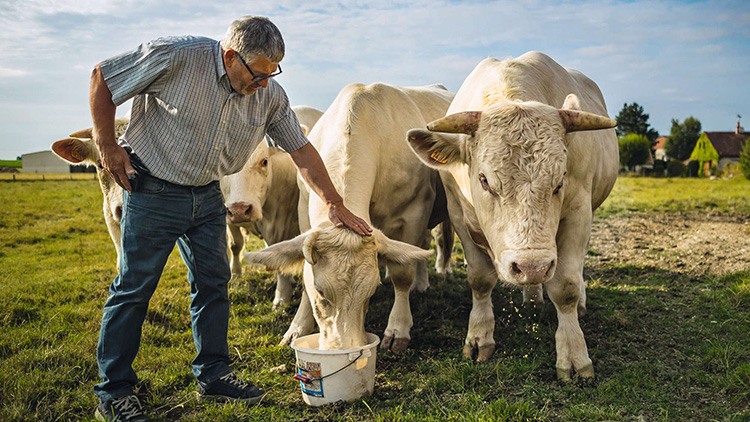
(80, 149)
(262, 199)
(522, 188)
(361, 140)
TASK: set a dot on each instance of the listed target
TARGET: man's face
(241, 78)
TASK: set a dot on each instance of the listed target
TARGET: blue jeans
(155, 216)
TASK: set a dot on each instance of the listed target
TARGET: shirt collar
(220, 70)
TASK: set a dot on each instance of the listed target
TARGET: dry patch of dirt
(691, 243)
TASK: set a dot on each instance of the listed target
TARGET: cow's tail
(443, 235)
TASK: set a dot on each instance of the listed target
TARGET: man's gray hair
(254, 35)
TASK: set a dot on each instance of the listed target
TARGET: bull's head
(516, 153)
(245, 192)
(341, 274)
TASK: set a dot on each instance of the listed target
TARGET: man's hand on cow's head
(116, 161)
(340, 216)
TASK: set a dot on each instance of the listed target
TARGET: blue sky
(675, 58)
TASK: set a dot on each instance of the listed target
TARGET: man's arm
(114, 159)
(312, 169)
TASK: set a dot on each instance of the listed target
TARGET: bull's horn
(83, 133)
(575, 121)
(464, 122)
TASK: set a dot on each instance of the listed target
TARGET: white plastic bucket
(328, 376)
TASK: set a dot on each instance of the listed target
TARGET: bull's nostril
(550, 268)
(249, 210)
(515, 269)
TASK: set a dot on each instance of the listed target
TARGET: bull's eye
(264, 162)
(485, 185)
(557, 189)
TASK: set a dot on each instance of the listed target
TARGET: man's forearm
(313, 171)
(102, 110)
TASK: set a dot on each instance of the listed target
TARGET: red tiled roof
(660, 142)
(727, 144)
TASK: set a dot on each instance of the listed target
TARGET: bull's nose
(527, 272)
(240, 212)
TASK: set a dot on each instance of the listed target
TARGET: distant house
(48, 162)
(660, 153)
(719, 148)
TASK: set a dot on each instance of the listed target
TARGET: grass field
(667, 346)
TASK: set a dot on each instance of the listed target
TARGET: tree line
(637, 139)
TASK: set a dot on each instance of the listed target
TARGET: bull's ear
(304, 128)
(393, 251)
(571, 102)
(286, 257)
(436, 149)
(75, 150)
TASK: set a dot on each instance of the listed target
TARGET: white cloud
(12, 73)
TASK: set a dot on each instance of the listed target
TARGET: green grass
(677, 194)
(11, 163)
(666, 346)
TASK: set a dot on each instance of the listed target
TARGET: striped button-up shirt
(187, 125)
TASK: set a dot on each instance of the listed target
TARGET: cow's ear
(287, 257)
(75, 151)
(393, 251)
(436, 149)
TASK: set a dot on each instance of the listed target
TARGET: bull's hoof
(483, 354)
(289, 337)
(279, 304)
(385, 344)
(563, 374)
(586, 372)
(581, 310)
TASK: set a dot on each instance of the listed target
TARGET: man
(200, 108)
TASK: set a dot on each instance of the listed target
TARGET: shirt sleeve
(142, 70)
(284, 131)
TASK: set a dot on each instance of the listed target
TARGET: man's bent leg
(149, 231)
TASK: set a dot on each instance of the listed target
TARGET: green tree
(632, 119)
(682, 138)
(634, 150)
(745, 160)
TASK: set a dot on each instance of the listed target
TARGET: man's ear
(436, 149)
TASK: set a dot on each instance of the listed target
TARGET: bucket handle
(353, 356)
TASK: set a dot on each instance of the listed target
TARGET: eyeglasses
(257, 78)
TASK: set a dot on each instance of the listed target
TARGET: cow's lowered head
(516, 153)
(341, 274)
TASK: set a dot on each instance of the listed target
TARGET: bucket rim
(372, 341)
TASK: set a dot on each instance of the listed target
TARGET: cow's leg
(303, 322)
(443, 234)
(533, 294)
(565, 290)
(421, 278)
(283, 290)
(396, 336)
(113, 226)
(236, 246)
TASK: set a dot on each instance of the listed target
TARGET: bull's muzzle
(528, 267)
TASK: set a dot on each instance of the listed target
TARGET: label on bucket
(310, 370)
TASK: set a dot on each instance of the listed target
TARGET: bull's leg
(236, 246)
(565, 290)
(283, 290)
(422, 278)
(482, 279)
(303, 322)
(396, 336)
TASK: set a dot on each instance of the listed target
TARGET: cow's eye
(264, 162)
(485, 185)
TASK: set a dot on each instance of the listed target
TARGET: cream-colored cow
(80, 149)
(361, 140)
(524, 173)
(262, 199)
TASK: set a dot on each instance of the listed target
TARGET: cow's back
(361, 138)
